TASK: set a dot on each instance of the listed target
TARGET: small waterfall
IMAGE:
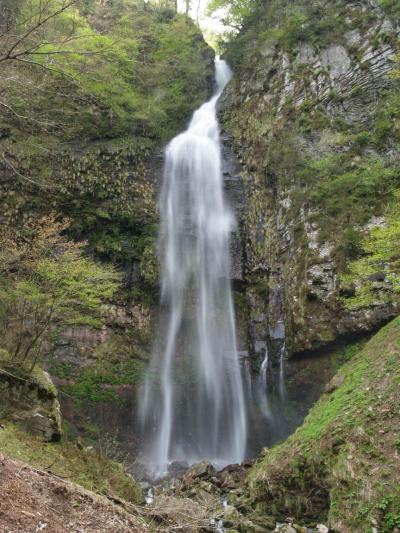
(193, 404)
(263, 387)
(282, 372)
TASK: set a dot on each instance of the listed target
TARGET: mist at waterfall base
(200, 400)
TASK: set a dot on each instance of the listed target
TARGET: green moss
(118, 362)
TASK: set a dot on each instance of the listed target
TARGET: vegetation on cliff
(89, 93)
(314, 113)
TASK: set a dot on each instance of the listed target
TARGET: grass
(85, 467)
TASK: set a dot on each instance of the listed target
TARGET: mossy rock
(30, 399)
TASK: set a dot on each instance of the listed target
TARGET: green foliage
(99, 383)
(343, 185)
(56, 286)
(122, 77)
(350, 244)
(91, 388)
(391, 7)
(292, 29)
(387, 117)
(107, 85)
(235, 11)
(279, 24)
(381, 257)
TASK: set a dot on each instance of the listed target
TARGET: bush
(381, 256)
(55, 286)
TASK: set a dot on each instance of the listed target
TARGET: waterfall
(192, 403)
(282, 372)
(263, 387)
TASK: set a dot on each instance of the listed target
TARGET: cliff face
(80, 144)
(313, 115)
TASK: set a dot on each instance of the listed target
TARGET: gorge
(259, 381)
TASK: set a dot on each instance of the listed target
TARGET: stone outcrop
(297, 99)
(31, 401)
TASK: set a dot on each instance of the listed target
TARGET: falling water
(193, 400)
(263, 387)
(282, 371)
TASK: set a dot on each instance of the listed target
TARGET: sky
(208, 24)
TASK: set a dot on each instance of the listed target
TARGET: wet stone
(178, 468)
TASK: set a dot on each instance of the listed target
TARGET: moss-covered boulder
(29, 399)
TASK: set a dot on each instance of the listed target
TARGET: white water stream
(193, 401)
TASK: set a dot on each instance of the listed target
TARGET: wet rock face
(282, 110)
(234, 196)
(31, 402)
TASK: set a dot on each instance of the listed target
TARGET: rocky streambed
(219, 501)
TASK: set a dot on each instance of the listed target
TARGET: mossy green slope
(343, 463)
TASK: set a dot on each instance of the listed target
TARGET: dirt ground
(33, 501)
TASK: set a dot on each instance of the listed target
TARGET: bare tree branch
(36, 26)
(30, 180)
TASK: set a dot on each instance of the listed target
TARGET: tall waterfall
(193, 401)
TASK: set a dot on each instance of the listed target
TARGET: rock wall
(31, 401)
(305, 113)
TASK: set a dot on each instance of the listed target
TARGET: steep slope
(34, 500)
(343, 464)
(313, 114)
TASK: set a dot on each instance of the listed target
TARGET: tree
(234, 12)
(47, 284)
(38, 35)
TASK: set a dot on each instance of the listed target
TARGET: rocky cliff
(313, 113)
